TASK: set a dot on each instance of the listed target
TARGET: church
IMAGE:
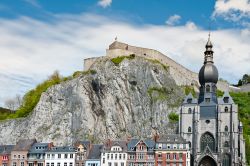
(210, 123)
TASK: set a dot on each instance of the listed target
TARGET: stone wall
(182, 75)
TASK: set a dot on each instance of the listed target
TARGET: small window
(226, 109)
(226, 128)
(190, 110)
(226, 99)
(207, 100)
(207, 121)
(189, 129)
(208, 88)
(189, 101)
(226, 144)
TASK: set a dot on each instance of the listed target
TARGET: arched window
(189, 129)
(226, 109)
(226, 128)
(207, 139)
(226, 144)
(190, 110)
(226, 160)
(208, 88)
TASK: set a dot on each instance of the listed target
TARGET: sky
(38, 37)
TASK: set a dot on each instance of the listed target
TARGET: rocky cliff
(132, 97)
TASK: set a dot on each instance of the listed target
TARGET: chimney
(156, 137)
(50, 145)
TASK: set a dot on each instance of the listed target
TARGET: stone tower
(211, 124)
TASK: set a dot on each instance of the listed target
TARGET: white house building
(60, 156)
(114, 153)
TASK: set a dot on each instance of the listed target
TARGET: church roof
(225, 99)
(190, 99)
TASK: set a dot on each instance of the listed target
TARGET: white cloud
(104, 3)
(33, 3)
(173, 20)
(30, 50)
(232, 9)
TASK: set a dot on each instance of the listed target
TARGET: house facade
(5, 155)
(172, 150)
(19, 154)
(94, 157)
(140, 152)
(60, 156)
(114, 153)
(82, 152)
(36, 155)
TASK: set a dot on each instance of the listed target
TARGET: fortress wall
(88, 62)
(176, 70)
(182, 75)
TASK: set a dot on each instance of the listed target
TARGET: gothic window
(226, 109)
(226, 160)
(189, 129)
(226, 144)
(190, 110)
(207, 140)
(208, 88)
(226, 128)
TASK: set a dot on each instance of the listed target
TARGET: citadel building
(211, 123)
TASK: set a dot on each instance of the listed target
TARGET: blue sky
(41, 36)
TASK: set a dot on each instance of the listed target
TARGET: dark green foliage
(244, 80)
(219, 93)
(4, 113)
(243, 101)
(119, 59)
(173, 117)
(189, 89)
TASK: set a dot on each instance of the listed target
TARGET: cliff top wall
(181, 74)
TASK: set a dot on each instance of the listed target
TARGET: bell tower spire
(208, 76)
(208, 54)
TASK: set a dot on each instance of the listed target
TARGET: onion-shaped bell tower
(208, 77)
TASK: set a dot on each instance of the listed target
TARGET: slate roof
(221, 99)
(39, 148)
(108, 145)
(171, 139)
(193, 100)
(133, 142)
(24, 144)
(61, 149)
(6, 149)
(95, 152)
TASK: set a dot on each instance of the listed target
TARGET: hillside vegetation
(32, 97)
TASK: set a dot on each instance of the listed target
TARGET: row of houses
(171, 150)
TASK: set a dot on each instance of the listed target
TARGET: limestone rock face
(132, 98)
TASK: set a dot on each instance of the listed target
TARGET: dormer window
(207, 100)
(189, 101)
(226, 99)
